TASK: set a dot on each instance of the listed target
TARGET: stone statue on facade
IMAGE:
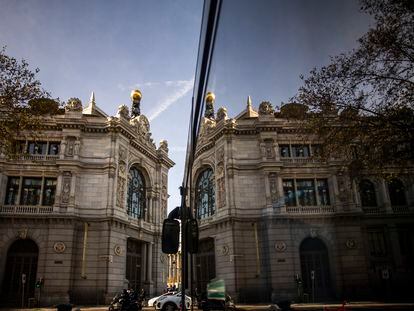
(221, 114)
(209, 113)
(136, 96)
(73, 104)
(266, 108)
(123, 112)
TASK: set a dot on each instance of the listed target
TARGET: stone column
(144, 262)
(150, 283)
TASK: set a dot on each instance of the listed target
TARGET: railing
(38, 157)
(401, 209)
(25, 209)
(310, 209)
(298, 160)
(373, 210)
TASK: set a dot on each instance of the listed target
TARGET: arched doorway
(21, 260)
(315, 269)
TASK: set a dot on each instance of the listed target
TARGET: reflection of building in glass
(273, 218)
(81, 207)
(174, 270)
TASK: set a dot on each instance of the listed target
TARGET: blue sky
(112, 47)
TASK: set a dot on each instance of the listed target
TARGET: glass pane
(289, 192)
(205, 194)
(31, 191)
(136, 194)
(36, 147)
(284, 151)
(12, 191)
(306, 192)
(54, 148)
(300, 151)
(323, 192)
(49, 191)
(367, 193)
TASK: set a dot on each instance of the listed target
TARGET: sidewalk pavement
(354, 306)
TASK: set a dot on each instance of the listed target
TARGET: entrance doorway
(134, 264)
(205, 264)
(315, 269)
(21, 260)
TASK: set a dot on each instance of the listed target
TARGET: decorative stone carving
(118, 250)
(221, 185)
(122, 168)
(221, 114)
(266, 108)
(313, 232)
(120, 192)
(73, 104)
(220, 154)
(123, 112)
(164, 146)
(66, 184)
(273, 188)
(280, 246)
(70, 146)
(350, 243)
(22, 233)
(59, 247)
(224, 250)
(122, 153)
(142, 126)
(269, 148)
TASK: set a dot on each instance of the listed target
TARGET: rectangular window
(37, 147)
(284, 151)
(323, 191)
(316, 150)
(377, 244)
(306, 192)
(12, 191)
(300, 151)
(49, 191)
(31, 190)
(289, 192)
(54, 148)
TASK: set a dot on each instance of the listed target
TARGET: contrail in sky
(183, 87)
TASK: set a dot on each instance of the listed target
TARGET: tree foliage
(362, 103)
(22, 101)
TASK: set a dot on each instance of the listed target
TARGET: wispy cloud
(181, 88)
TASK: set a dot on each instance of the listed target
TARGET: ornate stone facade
(70, 204)
(280, 214)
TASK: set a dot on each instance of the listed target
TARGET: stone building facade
(81, 208)
(276, 223)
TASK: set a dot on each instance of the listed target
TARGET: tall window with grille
(205, 194)
(367, 193)
(136, 194)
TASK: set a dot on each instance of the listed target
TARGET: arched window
(397, 192)
(367, 193)
(205, 194)
(136, 194)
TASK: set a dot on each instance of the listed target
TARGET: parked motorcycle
(128, 300)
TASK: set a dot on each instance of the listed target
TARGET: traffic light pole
(184, 264)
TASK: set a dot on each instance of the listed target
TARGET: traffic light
(170, 236)
(192, 236)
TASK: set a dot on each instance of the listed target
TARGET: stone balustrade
(25, 209)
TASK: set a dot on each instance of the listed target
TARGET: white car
(171, 302)
(151, 302)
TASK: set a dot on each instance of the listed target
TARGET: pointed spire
(92, 100)
(249, 103)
